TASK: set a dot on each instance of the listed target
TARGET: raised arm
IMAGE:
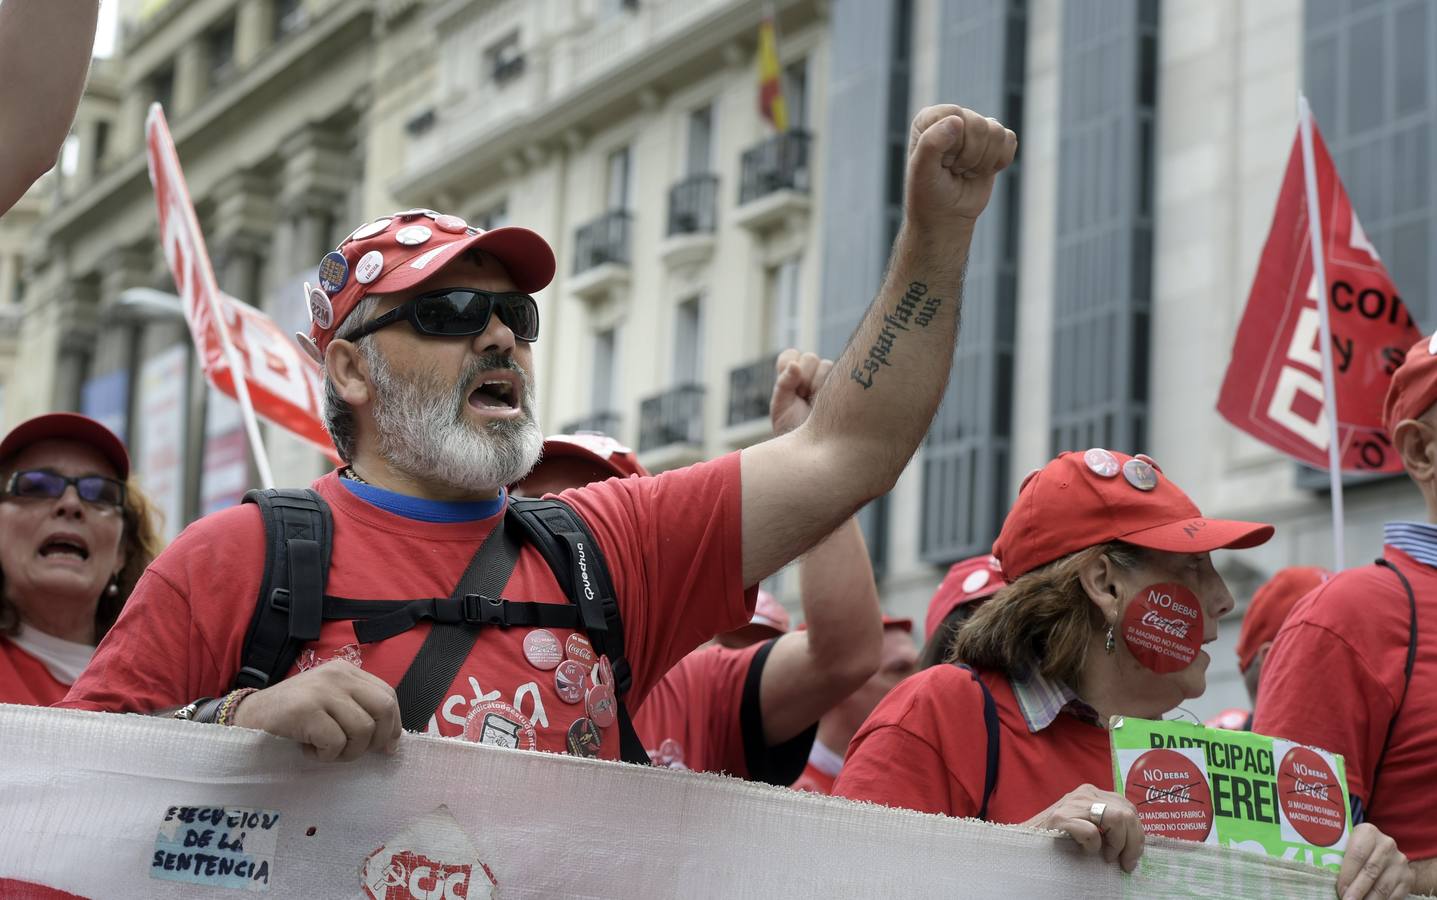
(809, 672)
(871, 416)
(44, 55)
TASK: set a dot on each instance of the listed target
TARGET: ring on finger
(1095, 813)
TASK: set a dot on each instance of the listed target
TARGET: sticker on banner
(216, 846)
(413, 235)
(569, 681)
(333, 272)
(1163, 627)
(584, 739)
(1169, 789)
(498, 724)
(432, 857)
(1310, 799)
(369, 267)
(321, 311)
(542, 649)
(1101, 462)
(1140, 475)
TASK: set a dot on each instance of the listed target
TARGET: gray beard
(423, 432)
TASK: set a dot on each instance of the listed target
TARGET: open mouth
(497, 393)
(65, 547)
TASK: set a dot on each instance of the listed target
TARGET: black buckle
(279, 599)
(478, 609)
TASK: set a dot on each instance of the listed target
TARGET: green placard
(1234, 789)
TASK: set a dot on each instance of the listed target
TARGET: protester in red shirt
(1266, 611)
(425, 328)
(1111, 594)
(1337, 674)
(968, 583)
(838, 725)
(74, 538)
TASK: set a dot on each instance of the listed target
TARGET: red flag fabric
(284, 384)
(1273, 387)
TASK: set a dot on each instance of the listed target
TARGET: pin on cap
(569, 681)
(1432, 345)
(451, 224)
(413, 235)
(333, 273)
(364, 232)
(415, 212)
(1149, 460)
(542, 649)
(369, 267)
(321, 311)
(1140, 475)
(976, 579)
(584, 738)
(310, 348)
(1101, 463)
(1027, 478)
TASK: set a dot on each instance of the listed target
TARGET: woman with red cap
(1111, 595)
(968, 583)
(74, 538)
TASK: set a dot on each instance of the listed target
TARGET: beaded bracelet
(230, 703)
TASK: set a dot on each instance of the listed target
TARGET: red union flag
(1273, 387)
(284, 384)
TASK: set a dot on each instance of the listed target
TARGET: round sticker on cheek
(1163, 627)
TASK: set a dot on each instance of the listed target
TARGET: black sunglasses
(41, 484)
(455, 312)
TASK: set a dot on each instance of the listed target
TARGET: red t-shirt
(26, 680)
(815, 780)
(1333, 679)
(705, 715)
(673, 545)
(925, 748)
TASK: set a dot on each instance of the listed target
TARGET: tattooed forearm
(915, 308)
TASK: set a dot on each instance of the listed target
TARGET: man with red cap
(1354, 667)
(968, 583)
(426, 329)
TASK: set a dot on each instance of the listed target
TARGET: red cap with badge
(1413, 389)
(1083, 499)
(594, 447)
(975, 578)
(403, 250)
(68, 427)
(1269, 607)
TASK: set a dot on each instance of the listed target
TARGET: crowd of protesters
(633, 626)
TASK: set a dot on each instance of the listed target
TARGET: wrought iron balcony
(604, 240)
(778, 163)
(750, 387)
(693, 205)
(605, 422)
(674, 417)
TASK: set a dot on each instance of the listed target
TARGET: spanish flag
(770, 77)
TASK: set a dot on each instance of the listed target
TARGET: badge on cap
(585, 739)
(1149, 460)
(578, 648)
(569, 681)
(542, 649)
(333, 272)
(411, 213)
(310, 348)
(1102, 463)
(1033, 473)
(976, 580)
(364, 232)
(321, 311)
(1140, 475)
(500, 725)
(1432, 345)
(413, 235)
(451, 224)
(600, 704)
(369, 267)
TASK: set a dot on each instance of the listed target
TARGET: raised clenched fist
(953, 156)
(797, 378)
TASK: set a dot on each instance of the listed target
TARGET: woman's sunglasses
(455, 312)
(39, 484)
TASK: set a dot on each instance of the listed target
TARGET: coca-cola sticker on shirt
(1310, 797)
(1171, 795)
(1163, 627)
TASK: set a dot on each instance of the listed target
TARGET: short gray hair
(339, 415)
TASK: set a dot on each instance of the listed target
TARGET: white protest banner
(108, 805)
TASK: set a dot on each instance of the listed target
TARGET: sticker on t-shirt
(498, 724)
(1169, 789)
(1162, 627)
(216, 846)
(431, 857)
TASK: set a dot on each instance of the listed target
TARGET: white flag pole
(237, 375)
(1319, 272)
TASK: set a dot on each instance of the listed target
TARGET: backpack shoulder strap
(568, 546)
(1406, 674)
(990, 724)
(298, 539)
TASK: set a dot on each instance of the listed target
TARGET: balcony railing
(778, 163)
(750, 387)
(604, 240)
(602, 422)
(674, 417)
(693, 205)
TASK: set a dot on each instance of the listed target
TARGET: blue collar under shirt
(423, 510)
(1417, 539)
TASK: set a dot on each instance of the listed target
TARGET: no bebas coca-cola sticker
(1171, 794)
(1162, 627)
(1310, 797)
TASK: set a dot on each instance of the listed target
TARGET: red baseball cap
(770, 619)
(1270, 605)
(400, 251)
(1230, 719)
(1413, 389)
(975, 578)
(894, 622)
(68, 427)
(593, 447)
(1083, 499)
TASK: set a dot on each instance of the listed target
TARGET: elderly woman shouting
(74, 538)
(1020, 737)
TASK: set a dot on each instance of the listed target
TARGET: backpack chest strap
(472, 610)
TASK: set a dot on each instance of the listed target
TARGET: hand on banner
(953, 156)
(1117, 833)
(337, 710)
(799, 376)
(1373, 868)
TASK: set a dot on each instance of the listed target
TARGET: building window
(619, 195)
(496, 216)
(504, 59)
(795, 93)
(220, 53)
(162, 87)
(102, 145)
(603, 385)
(289, 17)
(610, 9)
(699, 158)
(689, 342)
(783, 306)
